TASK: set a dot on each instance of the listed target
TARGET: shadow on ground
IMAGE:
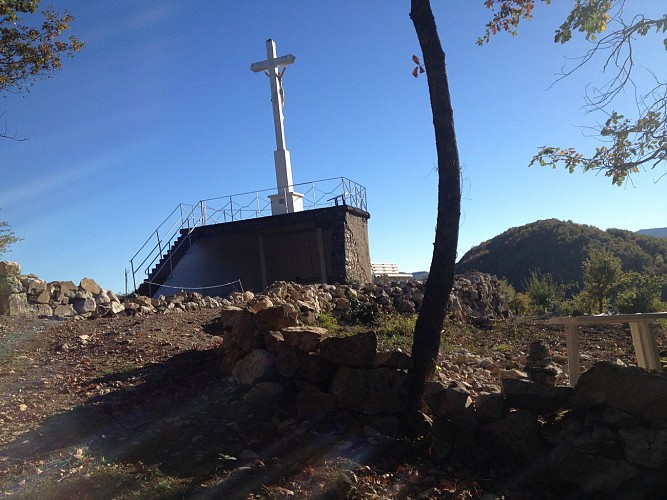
(183, 418)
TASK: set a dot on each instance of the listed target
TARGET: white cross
(286, 200)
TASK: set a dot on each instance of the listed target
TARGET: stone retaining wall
(475, 297)
(27, 295)
(608, 434)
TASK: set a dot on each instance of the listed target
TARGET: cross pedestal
(286, 200)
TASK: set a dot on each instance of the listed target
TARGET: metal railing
(183, 220)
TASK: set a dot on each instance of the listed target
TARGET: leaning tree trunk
(426, 341)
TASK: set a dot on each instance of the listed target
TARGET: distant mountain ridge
(559, 248)
(656, 232)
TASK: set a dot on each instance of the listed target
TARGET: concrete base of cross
(286, 203)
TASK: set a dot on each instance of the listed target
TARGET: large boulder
(393, 359)
(83, 306)
(15, 304)
(287, 359)
(315, 368)
(275, 318)
(356, 350)
(257, 366)
(10, 285)
(645, 446)
(304, 338)
(591, 473)
(630, 389)
(539, 398)
(9, 268)
(90, 285)
(237, 327)
(41, 310)
(451, 402)
(370, 390)
(312, 403)
(33, 286)
(518, 436)
(64, 311)
(490, 407)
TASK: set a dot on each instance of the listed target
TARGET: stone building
(326, 242)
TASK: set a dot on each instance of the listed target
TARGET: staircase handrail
(156, 251)
(171, 251)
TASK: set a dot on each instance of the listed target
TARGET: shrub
(359, 313)
(518, 302)
(578, 305)
(639, 293)
(544, 293)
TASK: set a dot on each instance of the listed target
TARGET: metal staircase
(160, 253)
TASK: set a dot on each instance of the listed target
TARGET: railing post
(159, 242)
(202, 208)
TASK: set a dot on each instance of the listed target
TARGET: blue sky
(161, 107)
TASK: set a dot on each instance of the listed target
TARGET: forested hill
(557, 247)
(658, 232)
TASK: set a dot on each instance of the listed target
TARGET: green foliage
(395, 324)
(31, 50)
(7, 237)
(588, 16)
(602, 272)
(628, 143)
(638, 293)
(559, 248)
(544, 293)
(502, 347)
(581, 303)
(359, 313)
(519, 303)
(507, 16)
(327, 321)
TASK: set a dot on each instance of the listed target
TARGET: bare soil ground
(134, 407)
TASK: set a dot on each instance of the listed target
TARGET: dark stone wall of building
(281, 247)
(350, 257)
(357, 253)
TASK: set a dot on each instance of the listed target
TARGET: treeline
(606, 289)
(560, 249)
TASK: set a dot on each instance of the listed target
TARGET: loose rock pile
(475, 297)
(27, 295)
(607, 435)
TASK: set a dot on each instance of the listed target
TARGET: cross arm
(272, 63)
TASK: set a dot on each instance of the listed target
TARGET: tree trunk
(426, 343)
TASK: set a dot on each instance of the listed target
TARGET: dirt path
(134, 407)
